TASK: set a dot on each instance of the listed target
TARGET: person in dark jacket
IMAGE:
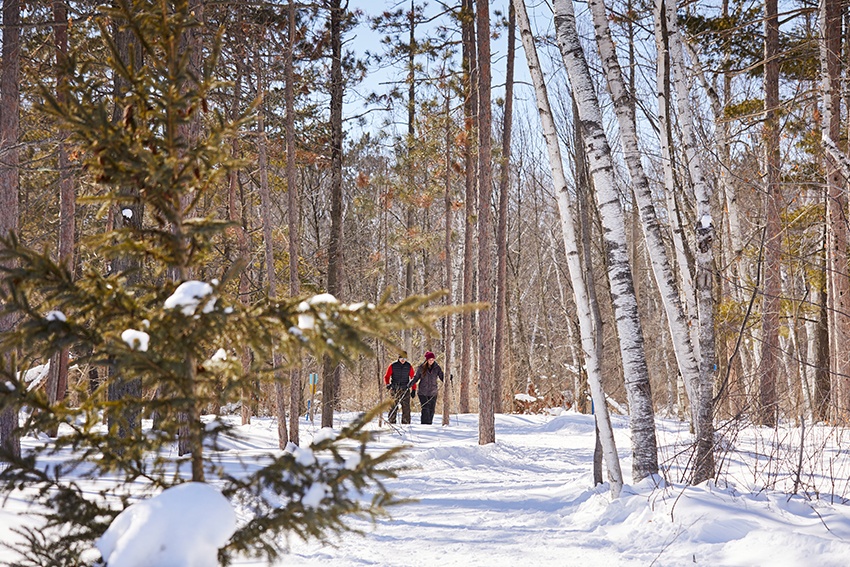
(399, 381)
(426, 378)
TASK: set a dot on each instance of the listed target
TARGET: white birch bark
(636, 374)
(661, 270)
(704, 466)
(668, 164)
(585, 317)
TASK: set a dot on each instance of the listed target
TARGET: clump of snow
(127, 213)
(305, 457)
(324, 434)
(183, 526)
(315, 494)
(189, 295)
(306, 321)
(216, 361)
(136, 340)
(705, 221)
(55, 316)
(34, 377)
(322, 298)
(524, 398)
(352, 462)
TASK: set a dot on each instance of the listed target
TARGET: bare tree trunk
(57, 382)
(769, 366)
(704, 467)
(838, 294)
(502, 230)
(447, 248)
(587, 327)
(661, 270)
(268, 246)
(486, 394)
(240, 219)
(10, 71)
(641, 413)
(293, 210)
(130, 214)
(470, 109)
(330, 372)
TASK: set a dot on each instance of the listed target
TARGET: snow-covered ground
(528, 500)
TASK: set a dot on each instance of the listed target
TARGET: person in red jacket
(398, 379)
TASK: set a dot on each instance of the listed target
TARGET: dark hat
(429, 354)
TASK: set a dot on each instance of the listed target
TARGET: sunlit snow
(189, 295)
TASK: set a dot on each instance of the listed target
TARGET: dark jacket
(427, 378)
(398, 375)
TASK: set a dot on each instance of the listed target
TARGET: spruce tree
(148, 320)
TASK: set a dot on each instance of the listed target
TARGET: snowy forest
(214, 213)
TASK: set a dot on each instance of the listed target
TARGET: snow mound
(188, 297)
(183, 526)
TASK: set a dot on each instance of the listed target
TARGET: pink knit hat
(429, 354)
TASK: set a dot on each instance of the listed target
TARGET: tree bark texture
(838, 294)
(292, 209)
(663, 273)
(770, 304)
(588, 330)
(704, 238)
(502, 228)
(470, 110)
(486, 394)
(10, 70)
(331, 371)
(636, 374)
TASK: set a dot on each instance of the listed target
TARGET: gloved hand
(412, 394)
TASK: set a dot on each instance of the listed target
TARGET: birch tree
(638, 391)
(661, 270)
(587, 329)
(838, 290)
(704, 237)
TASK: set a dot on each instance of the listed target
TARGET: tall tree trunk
(638, 391)
(661, 270)
(130, 214)
(57, 382)
(292, 209)
(590, 344)
(470, 111)
(189, 434)
(268, 244)
(502, 230)
(239, 215)
(10, 71)
(769, 366)
(447, 250)
(411, 170)
(486, 394)
(330, 371)
(838, 294)
(704, 469)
